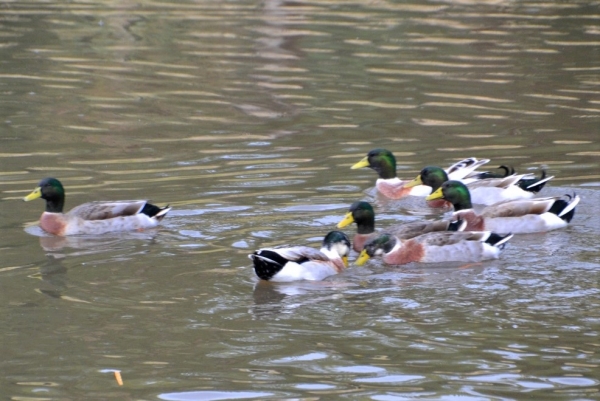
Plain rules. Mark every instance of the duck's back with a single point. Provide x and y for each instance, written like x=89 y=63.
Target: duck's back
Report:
x=107 y=210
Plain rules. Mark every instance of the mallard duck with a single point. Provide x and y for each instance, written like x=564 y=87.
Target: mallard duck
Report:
x=390 y=186
x=363 y=215
x=93 y=217
x=517 y=217
x=302 y=262
x=485 y=191
x=464 y=246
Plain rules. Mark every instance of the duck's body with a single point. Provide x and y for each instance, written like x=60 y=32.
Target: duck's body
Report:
x=493 y=190
x=92 y=218
x=102 y=217
x=390 y=186
x=363 y=215
x=484 y=191
x=436 y=247
x=517 y=217
x=301 y=262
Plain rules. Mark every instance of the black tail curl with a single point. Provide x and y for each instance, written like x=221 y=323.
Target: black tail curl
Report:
x=497 y=240
x=532 y=185
x=565 y=208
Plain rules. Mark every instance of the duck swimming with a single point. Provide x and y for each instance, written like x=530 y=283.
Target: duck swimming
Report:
x=435 y=247
x=485 y=191
x=94 y=217
x=363 y=215
x=517 y=216
x=389 y=185
x=302 y=262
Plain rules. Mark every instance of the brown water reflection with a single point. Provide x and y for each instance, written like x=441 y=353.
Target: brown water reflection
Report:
x=246 y=117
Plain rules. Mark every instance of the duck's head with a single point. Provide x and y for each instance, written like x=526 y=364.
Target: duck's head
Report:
x=377 y=247
x=362 y=214
x=454 y=192
x=431 y=176
x=380 y=160
x=338 y=243
x=52 y=191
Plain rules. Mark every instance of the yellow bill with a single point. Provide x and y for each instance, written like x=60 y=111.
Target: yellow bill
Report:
x=37 y=193
x=414 y=183
x=438 y=194
x=346 y=221
x=363 y=163
x=345 y=260
x=362 y=258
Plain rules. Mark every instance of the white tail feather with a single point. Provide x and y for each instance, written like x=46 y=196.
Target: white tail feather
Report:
x=540 y=181
x=570 y=206
x=464 y=167
x=503 y=240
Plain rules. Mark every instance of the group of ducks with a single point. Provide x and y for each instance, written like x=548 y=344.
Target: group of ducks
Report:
x=467 y=236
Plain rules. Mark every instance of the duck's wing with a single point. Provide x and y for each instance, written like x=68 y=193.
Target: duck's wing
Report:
x=508 y=170
x=464 y=167
x=503 y=182
x=446 y=238
x=518 y=208
x=107 y=210
x=298 y=254
x=416 y=228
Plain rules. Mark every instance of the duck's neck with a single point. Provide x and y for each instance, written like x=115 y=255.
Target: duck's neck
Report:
x=365 y=226
x=462 y=204
x=55 y=205
x=437 y=181
x=386 y=169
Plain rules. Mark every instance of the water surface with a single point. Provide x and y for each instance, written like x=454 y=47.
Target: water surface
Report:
x=245 y=117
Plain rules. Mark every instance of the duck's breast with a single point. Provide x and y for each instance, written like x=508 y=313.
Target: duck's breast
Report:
x=53 y=223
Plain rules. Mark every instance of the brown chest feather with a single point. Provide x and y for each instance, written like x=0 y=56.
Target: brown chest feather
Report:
x=53 y=223
x=410 y=251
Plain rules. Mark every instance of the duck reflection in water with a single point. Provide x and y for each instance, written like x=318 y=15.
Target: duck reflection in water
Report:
x=53 y=275
x=86 y=245
x=272 y=299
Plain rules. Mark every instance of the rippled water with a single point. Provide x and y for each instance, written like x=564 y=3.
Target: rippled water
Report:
x=245 y=117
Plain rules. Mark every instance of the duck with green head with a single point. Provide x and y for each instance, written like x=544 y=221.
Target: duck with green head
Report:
x=485 y=191
x=389 y=185
x=292 y=263
x=93 y=217
x=436 y=247
x=363 y=215
x=517 y=216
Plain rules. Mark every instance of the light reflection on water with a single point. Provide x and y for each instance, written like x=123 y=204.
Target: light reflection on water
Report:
x=246 y=118
x=213 y=395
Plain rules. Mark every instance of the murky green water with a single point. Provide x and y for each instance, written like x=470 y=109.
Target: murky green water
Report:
x=245 y=117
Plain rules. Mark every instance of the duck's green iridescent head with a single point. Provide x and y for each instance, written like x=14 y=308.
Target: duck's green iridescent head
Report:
x=363 y=215
x=454 y=192
x=377 y=247
x=52 y=191
x=433 y=177
x=339 y=242
x=380 y=160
